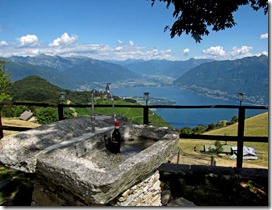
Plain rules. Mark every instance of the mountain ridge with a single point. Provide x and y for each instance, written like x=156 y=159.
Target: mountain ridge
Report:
x=164 y=67
x=218 y=79
x=67 y=72
x=225 y=79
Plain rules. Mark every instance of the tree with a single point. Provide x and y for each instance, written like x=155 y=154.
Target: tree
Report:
x=234 y=119
x=194 y=16
x=211 y=126
x=5 y=82
x=219 y=146
x=46 y=115
x=186 y=130
x=199 y=129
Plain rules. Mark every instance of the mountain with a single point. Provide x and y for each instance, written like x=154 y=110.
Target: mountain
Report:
x=163 y=67
x=70 y=72
x=100 y=71
x=55 y=62
x=20 y=70
x=36 y=89
x=225 y=79
x=220 y=79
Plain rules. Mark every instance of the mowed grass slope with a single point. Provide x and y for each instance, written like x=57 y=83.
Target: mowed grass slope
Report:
x=254 y=126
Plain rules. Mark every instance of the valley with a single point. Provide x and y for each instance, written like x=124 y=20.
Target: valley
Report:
x=210 y=78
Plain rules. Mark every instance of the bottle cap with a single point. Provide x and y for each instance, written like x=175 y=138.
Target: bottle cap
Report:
x=116 y=123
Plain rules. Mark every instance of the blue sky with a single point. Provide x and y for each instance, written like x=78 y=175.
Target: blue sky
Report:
x=120 y=30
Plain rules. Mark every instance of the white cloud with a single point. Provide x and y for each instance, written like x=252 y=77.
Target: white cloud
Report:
x=265 y=53
x=118 y=48
x=264 y=36
x=241 y=52
x=27 y=40
x=158 y=54
x=3 y=43
x=215 y=51
x=186 y=51
x=131 y=43
x=65 y=39
x=219 y=53
x=123 y=51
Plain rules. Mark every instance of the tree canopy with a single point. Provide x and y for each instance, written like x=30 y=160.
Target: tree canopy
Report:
x=5 y=82
x=195 y=16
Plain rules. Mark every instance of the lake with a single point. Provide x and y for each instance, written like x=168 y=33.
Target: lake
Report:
x=179 y=118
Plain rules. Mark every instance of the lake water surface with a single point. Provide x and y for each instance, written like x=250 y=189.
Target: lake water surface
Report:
x=186 y=117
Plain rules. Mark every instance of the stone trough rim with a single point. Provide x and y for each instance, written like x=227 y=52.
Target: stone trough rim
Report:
x=131 y=167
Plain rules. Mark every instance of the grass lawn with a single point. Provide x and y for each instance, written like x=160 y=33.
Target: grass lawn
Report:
x=254 y=126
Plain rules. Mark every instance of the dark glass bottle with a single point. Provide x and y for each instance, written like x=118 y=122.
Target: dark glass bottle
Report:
x=116 y=138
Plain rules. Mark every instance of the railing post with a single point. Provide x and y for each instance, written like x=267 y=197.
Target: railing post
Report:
x=145 y=115
x=1 y=130
x=60 y=112
x=213 y=161
x=178 y=155
x=240 y=142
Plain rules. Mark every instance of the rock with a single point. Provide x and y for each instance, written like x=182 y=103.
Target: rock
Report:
x=20 y=151
x=165 y=197
x=67 y=155
x=96 y=178
x=180 y=202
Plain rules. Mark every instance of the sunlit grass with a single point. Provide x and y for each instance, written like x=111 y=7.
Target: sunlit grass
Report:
x=254 y=126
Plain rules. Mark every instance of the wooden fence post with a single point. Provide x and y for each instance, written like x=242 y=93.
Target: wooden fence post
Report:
x=60 y=111
x=240 y=142
x=145 y=114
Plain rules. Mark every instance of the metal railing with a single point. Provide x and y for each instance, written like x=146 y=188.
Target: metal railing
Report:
x=240 y=138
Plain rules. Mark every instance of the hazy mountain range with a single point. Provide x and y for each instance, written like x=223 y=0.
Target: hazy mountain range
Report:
x=225 y=79
x=163 y=67
x=221 y=79
x=69 y=73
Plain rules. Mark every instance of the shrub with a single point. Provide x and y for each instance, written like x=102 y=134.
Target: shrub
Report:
x=46 y=115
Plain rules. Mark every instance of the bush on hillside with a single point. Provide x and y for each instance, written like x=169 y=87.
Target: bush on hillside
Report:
x=47 y=115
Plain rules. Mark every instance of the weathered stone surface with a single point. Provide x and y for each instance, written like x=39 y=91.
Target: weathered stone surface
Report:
x=20 y=151
x=181 y=202
x=165 y=197
x=68 y=157
x=145 y=193
x=97 y=179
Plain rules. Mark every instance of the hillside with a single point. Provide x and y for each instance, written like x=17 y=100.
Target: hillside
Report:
x=225 y=79
x=56 y=62
x=21 y=70
x=69 y=73
x=99 y=71
x=35 y=89
x=217 y=79
x=254 y=126
x=163 y=67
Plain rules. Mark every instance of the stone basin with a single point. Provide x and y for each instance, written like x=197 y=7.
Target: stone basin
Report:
x=68 y=157
x=96 y=175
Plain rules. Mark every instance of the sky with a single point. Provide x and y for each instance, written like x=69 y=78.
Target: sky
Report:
x=120 y=30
